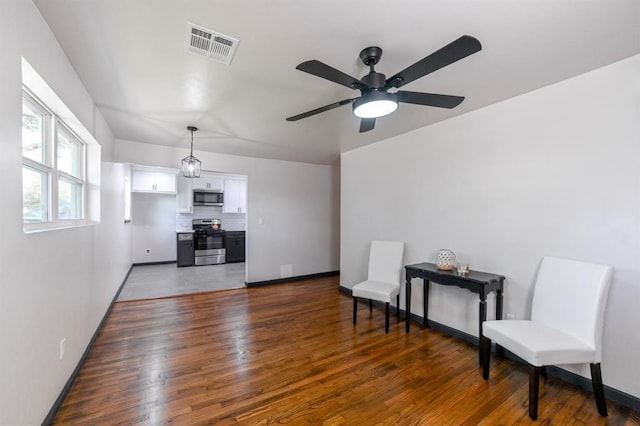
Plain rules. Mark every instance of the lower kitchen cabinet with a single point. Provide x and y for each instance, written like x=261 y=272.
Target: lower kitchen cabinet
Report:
x=186 y=250
x=235 y=246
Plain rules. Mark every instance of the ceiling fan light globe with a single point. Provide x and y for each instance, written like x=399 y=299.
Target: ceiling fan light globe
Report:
x=374 y=105
x=375 y=109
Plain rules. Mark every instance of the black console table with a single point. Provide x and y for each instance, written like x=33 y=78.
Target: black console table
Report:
x=481 y=283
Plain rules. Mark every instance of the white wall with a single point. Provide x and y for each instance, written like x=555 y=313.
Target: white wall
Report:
x=552 y=172
x=154 y=227
x=55 y=284
x=297 y=202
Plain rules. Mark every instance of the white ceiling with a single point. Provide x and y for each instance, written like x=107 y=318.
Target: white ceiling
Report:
x=130 y=56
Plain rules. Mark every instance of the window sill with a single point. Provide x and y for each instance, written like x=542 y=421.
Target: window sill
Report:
x=33 y=228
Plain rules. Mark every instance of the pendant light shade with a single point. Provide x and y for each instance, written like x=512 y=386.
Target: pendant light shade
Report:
x=190 y=164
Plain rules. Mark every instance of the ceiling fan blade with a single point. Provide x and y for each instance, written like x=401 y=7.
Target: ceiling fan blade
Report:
x=367 y=124
x=321 y=109
x=452 y=52
x=322 y=70
x=429 y=99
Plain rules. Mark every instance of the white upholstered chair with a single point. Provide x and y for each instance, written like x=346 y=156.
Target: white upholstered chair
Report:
x=383 y=279
x=567 y=317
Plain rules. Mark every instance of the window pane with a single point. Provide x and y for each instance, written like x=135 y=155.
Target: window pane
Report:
x=69 y=154
x=69 y=200
x=33 y=132
x=34 y=195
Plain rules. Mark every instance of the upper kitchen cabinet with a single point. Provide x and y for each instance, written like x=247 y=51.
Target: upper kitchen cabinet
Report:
x=235 y=196
x=153 y=180
x=207 y=181
x=184 y=198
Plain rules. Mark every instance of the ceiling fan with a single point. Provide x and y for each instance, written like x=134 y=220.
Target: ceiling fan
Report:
x=375 y=99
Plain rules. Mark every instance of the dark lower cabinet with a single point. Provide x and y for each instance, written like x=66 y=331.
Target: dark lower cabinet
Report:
x=235 y=245
x=186 y=250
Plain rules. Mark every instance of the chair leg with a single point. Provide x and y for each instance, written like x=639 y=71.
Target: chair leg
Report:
x=386 y=317
x=598 y=389
x=398 y=306
x=534 y=390
x=370 y=306
x=486 y=356
x=355 y=309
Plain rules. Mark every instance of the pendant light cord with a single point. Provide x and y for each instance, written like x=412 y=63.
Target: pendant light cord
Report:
x=192 y=142
x=192 y=129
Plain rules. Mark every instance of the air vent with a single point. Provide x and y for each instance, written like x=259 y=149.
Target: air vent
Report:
x=206 y=42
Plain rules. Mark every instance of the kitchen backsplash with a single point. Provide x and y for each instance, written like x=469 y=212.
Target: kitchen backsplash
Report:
x=230 y=221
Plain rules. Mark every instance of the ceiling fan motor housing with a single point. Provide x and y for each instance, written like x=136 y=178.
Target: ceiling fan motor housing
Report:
x=374 y=80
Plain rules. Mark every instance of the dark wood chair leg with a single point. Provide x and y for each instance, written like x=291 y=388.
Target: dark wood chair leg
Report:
x=534 y=390
x=486 y=356
x=386 y=317
x=355 y=309
x=598 y=389
x=398 y=306
x=370 y=306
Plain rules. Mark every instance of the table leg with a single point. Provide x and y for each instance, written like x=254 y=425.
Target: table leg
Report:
x=407 y=308
x=482 y=318
x=425 y=303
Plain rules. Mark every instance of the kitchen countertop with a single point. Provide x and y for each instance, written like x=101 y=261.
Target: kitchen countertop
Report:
x=188 y=231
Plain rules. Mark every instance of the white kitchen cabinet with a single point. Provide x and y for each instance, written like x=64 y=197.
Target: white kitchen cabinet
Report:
x=209 y=182
x=235 y=196
x=184 y=197
x=153 y=181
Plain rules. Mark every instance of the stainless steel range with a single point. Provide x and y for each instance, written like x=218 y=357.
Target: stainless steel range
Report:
x=208 y=240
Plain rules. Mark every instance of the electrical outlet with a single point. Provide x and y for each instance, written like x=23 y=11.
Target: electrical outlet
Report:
x=63 y=343
x=511 y=316
x=286 y=271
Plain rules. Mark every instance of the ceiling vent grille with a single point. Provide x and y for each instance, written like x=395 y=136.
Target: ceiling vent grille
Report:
x=206 y=42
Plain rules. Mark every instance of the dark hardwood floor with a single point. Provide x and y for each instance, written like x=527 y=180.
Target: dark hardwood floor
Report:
x=289 y=353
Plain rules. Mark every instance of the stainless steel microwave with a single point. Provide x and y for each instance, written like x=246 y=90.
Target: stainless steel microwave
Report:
x=202 y=197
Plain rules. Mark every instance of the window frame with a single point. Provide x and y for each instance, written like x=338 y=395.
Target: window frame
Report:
x=54 y=124
x=40 y=107
x=69 y=178
x=46 y=192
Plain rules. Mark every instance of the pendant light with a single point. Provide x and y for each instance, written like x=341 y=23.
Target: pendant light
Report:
x=190 y=164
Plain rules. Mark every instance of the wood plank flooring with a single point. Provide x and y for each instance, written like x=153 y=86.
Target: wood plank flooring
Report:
x=289 y=353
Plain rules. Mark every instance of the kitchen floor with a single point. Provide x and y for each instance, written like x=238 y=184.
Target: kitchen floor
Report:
x=163 y=280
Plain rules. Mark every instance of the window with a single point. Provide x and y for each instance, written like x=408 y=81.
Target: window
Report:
x=53 y=168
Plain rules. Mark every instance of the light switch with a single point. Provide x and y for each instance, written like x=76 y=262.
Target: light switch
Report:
x=63 y=344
